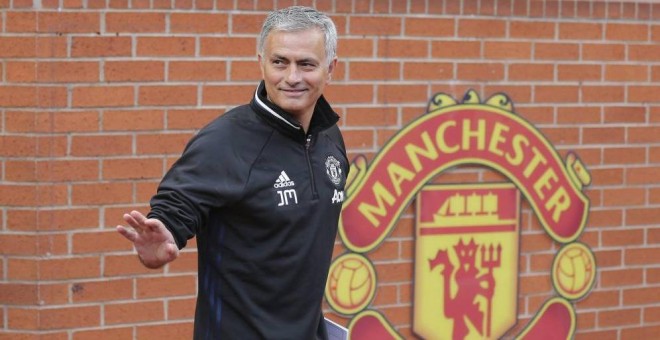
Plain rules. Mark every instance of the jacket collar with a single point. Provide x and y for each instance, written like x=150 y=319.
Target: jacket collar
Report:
x=322 y=118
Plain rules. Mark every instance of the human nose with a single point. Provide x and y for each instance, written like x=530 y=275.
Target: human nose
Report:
x=294 y=75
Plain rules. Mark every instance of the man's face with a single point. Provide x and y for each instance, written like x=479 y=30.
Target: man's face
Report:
x=295 y=71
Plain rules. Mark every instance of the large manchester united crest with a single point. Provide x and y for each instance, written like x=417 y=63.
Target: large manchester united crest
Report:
x=467 y=235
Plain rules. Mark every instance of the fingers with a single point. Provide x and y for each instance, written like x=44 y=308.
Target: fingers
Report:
x=129 y=234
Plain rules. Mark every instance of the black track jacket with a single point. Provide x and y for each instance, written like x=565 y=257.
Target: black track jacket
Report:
x=263 y=199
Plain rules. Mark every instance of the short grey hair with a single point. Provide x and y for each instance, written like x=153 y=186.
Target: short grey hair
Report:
x=299 y=18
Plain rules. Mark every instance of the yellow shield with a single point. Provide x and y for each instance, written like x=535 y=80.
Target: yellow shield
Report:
x=466 y=261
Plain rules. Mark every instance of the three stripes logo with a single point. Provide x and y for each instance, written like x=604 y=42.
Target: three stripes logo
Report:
x=283 y=181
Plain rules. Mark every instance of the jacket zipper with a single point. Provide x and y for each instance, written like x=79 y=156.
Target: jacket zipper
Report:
x=308 y=143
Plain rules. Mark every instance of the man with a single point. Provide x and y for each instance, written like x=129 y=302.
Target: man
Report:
x=261 y=188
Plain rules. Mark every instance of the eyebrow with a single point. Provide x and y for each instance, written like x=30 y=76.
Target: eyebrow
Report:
x=303 y=60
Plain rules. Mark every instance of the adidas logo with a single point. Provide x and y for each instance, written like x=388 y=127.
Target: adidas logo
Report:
x=283 y=181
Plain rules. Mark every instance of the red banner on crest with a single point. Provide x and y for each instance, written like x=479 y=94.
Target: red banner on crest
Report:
x=460 y=135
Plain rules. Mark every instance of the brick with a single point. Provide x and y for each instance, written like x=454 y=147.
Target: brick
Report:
x=135 y=22
x=623 y=237
x=621 y=278
x=580 y=31
x=33 y=96
x=133 y=120
x=355 y=47
x=393 y=272
x=507 y=50
x=625 y=114
x=200 y=70
x=556 y=51
x=190 y=119
x=626 y=73
x=621 y=317
x=166 y=286
x=480 y=71
x=382 y=116
x=619 y=197
x=603 y=94
x=69 y=22
x=133 y=312
x=556 y=94
x=428 y=71
x=123 y=265
x=644 y=332
x=104 y=334
x=247 y=23
x=375 y=71
x=637 y=216
x=103 y=96
x=578 y=72
x=524 y=71
x=125 y=168
x=641 y=256
x=578 y=115
x=624 y=155
x=101 y=145
x=607 y=176
x=534 y=284
x=167 y=95
x=227 y=94
x=170 y=331
x=166 y=46
x=99 y=242
x=20 y=171
x=67 y=72
x=185 y=263
x=144 y=190
x=23 y=318
x=641 y=296
x=106 y=290
x=215 y=23
x=11 y=145
x=32 y=195
x=21 y=22
x=134 y=71
x=429 y=27
x=170 y=143
x=375 y=25
x=179 y=309
x=30 y=47
x=456 y=49
x=244 y=71
x=101 y=193
x=626 y=32
x=644 y=135
x=228 y=46
x=69 y=317
x=604 y=52
x=69 y=268
x=52 y=219
x=402 y=93
x=643 y=93
x=535 y=243
x=403 y=48
x=101 y=47
x=652 y=275
x=600 y=299
x=19 y=293
x=644 y=52
x=480 y=28
x=608 y=258
x=643 y=175
x=67 y=170
x=531 y=29
x=51 y=121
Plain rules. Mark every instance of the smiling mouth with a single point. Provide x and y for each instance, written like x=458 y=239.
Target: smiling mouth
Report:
x=293 y=92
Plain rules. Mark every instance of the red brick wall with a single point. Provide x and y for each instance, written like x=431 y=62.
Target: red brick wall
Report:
x=98 y=98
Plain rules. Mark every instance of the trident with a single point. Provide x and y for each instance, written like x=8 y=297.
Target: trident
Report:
x=491 y=261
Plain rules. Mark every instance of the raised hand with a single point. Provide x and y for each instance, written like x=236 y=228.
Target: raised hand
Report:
x=153 y=242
